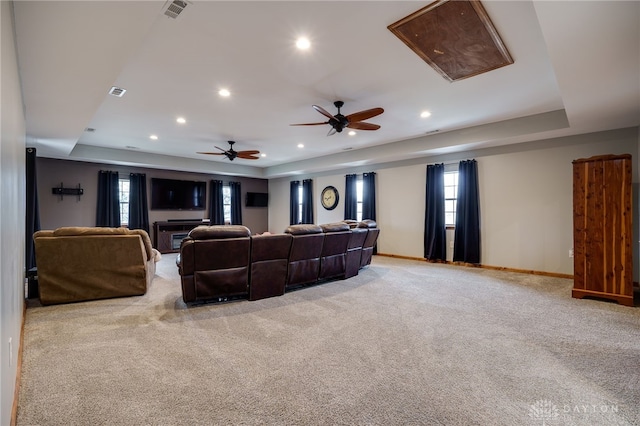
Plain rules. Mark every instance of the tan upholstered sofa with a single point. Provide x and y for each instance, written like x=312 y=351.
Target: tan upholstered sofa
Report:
x=86 y=263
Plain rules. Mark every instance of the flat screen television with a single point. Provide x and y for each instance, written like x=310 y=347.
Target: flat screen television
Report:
x=173 y=194
x=257 y=199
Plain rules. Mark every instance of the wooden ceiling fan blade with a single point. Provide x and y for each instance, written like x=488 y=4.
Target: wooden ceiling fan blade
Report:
x=364 y=115
x=247 y=156
x=309 y=124
x=249 y=152
x=323 y=112
x=363 y=126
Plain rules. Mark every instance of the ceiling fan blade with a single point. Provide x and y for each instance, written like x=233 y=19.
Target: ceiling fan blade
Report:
x=323 y=112
x=247 y=156
x=363 y=126
x=332 y=131
x=249 y=152
x=211 y=153
x=309 y=124
x=364 y=115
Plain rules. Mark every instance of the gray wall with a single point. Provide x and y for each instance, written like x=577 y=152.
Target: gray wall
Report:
x=526 y=200
x=12 y=212
x=73 y=211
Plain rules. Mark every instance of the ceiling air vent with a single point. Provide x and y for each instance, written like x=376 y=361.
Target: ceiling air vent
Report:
x=175 y=8
x=117 y=91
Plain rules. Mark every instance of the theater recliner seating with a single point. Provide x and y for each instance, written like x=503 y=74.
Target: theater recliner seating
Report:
x=269 y=265
x=354 y=251
x=223 y=261
x=214 y=262
x=334 y=249
x=304 y=258
x=369 y=242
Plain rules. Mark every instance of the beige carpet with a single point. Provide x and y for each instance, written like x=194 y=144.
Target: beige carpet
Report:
x=402 y=343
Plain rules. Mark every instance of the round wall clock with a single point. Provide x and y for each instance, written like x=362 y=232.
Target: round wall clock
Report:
x=329 y=198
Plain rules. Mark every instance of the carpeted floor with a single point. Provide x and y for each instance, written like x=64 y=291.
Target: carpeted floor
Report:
x=403 y=343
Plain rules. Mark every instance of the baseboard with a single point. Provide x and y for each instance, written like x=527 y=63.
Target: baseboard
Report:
x=16 y=393
x=474 y=265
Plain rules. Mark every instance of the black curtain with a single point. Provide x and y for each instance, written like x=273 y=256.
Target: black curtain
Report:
x=307 y=201
x=350 y=197
x=434 y=228
x=294 y=202
x=369 y=196
x=108 y=210
x=138 y=206
x=216 y=203
x=33 y=211
x=236 y=203
x=369 y=199
x=466 y=246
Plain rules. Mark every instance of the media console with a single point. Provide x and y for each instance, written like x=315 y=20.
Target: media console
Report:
x=168 y=235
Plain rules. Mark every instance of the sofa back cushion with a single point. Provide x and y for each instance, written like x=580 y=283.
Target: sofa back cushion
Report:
x=369 y=244
x=211 y=268
x=218 y=232
x=334 y=248
x=269 y=265
x=304 y=259
x=83 y=231
x=354 y=251
x=303 y=229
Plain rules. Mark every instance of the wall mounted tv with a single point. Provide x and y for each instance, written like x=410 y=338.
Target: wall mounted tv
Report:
x=257 y=199
x=172 y=194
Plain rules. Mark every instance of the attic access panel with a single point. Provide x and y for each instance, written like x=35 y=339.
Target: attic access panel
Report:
x=456 y=38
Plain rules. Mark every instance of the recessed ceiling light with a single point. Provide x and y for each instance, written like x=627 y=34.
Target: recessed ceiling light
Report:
x=425 y=114
x=181 y=120
x=225 y=93
x=351 y=133
x=153 y=137
x=303 y=43
x=300 y=145
x=263 y=155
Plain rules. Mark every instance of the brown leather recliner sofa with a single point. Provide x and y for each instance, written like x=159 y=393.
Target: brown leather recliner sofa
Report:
x=78 y=264
x=223 y=261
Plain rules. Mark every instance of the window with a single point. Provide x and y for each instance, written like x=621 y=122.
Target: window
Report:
x=450 y=197
x=300 y=194
x=123 y=194
x=359 y=199
x=226 y=203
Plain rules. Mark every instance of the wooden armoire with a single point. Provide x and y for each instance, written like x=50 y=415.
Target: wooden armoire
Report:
x=602 y=228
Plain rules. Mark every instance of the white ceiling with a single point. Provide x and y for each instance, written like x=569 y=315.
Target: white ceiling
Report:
x=576 y=70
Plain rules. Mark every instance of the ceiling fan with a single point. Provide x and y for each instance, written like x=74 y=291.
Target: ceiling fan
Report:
x=232 y=154
x=353 y=121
